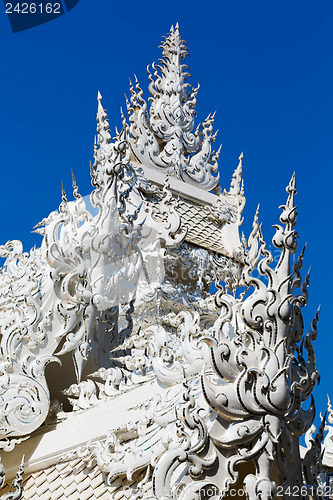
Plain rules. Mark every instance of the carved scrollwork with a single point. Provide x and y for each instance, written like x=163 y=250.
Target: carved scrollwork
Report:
x=256 y=376
x=163 y=136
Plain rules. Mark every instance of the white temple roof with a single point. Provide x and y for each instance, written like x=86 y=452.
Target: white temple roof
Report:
x=155 y=384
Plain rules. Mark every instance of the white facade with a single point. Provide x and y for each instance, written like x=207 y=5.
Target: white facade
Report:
x=157 y=388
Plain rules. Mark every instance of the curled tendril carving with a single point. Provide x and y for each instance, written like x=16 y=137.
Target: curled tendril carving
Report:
x=259 y=371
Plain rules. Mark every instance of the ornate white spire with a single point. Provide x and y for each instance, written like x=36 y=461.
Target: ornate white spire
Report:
x=103 y=137
x=163 y=136
x=265 y=370
x=102 y=146
x=236 y=181
x=111 y=156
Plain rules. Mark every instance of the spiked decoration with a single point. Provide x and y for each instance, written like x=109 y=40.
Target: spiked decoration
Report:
x=261 y=381
x=76 y=193
x=163 y=137
x=236 y=181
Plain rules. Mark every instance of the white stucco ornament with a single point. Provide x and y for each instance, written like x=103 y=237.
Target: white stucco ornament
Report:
x=163 y=136
x=179 y=390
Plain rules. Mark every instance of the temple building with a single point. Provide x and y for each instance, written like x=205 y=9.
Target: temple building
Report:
x=148 y=350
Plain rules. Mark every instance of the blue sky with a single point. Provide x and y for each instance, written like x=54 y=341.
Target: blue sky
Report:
x=265 y=66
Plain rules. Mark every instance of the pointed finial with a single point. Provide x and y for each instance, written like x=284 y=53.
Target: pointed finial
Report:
x=309 y=272
x=76 y=194
x=101 y=114
x=289 y=213
x=167 y=80
x=64 y=197
x=123 y=119
x=103 y=135
x=257 y=212
x=291 y=188
x=236 y=181
x=253 y=242
x=39 y=224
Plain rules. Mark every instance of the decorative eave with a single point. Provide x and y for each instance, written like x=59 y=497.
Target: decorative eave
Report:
x=54 y=443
